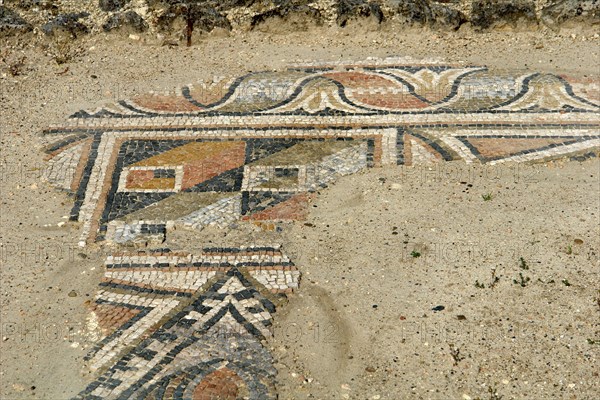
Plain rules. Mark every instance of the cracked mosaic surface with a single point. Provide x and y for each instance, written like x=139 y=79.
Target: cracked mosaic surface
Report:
x=255 y=148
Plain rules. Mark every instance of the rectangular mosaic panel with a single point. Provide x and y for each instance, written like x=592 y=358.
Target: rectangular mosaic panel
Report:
x=167 y=151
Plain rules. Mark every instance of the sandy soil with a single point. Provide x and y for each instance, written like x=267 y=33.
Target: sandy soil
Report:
x=331 y=341
x=365 y=326
x=384 y=248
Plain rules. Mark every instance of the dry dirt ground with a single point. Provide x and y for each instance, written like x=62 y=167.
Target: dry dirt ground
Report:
x=382 y=249
x=362 y=324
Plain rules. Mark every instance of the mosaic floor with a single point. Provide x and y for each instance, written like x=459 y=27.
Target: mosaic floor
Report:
x=190 y=326
x=257 y=148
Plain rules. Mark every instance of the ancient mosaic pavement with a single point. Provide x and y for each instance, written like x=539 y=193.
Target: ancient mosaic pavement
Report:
x=256 y=148
x=188 y=326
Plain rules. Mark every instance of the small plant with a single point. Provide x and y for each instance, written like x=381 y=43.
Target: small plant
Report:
x=415 y=254
x=495 y=279
x=63 y=51
x=523 y=280
x=493 y=392
x=455 y=353
x=569 y=250
x=487 y=197
x=493 y=283
x=566 y=282
x=592 y=341
x=14 y=64
x=523 y=263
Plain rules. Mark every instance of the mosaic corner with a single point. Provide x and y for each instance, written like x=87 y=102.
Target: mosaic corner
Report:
x=181 y=325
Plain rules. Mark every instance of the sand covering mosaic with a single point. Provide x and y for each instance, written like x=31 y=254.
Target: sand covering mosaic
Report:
x=257 y=148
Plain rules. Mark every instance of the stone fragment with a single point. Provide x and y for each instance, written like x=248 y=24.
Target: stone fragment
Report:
x=11 y=22
x=193 y=16
x=562 y=11
x=293 y=16
x=350 y=9
x=488 y=14
x=129 y=20
x=446 y=17
x=39 y=4
x=67 y=23
x=112 y=5
x=423 y=12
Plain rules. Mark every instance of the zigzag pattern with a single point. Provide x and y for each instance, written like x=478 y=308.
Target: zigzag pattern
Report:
x=195 y=317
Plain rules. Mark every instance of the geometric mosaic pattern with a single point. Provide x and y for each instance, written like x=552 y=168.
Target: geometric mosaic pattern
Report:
x=256 y=148
x=185 y=326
